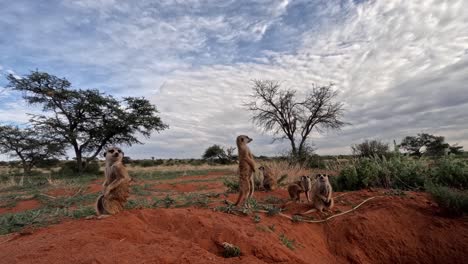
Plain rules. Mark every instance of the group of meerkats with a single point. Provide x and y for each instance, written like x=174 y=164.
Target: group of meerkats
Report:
x=318 y=191
x=116 y=186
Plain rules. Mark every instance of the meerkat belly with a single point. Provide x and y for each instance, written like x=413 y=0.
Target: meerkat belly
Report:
x=245 y=170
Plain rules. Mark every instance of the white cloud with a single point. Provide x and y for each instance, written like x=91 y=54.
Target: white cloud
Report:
x=399 y=65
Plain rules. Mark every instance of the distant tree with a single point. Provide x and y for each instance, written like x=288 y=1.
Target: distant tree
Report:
x=370 y=148
x=281 y=112
x=31 y=146
x=434 y=145
x=88 y=120
x=216 y=153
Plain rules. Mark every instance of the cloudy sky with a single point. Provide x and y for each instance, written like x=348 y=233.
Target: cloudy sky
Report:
x=400 y=67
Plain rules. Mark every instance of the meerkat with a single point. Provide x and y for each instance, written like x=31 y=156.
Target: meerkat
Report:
x=246 y=169
x=302 y=186
x=269 y=182
x=321 y=194
x=115 y=186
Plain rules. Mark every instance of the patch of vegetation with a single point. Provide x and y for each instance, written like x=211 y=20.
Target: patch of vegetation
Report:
x=196 y=200
x=66 y=202
x=273 y=200
x=449 y=171
x=139 y=204
x=272 y=210
x=452 y=201
x=398 y=172
x=139 y=190
x=231 y=184
x=82 y=212
x=167 y=201
x=289 y=243
x=256 y=218
x=231 y=250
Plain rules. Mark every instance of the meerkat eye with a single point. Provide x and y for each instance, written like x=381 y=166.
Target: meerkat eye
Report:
x=111 y=151
x=119 y=151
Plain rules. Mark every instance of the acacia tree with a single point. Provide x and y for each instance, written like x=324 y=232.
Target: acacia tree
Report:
x=216 y=152
x=435 y=145
x=31 y=146
x=281 y=112
x=86 y=119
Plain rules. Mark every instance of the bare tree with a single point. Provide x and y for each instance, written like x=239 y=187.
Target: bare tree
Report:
x=281 y=112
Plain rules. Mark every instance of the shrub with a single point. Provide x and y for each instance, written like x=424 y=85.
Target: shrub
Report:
x=70 y=168
x=370 y=149
x=453 y=202
x=232 y=184
x=397 y=172
x=452 y=172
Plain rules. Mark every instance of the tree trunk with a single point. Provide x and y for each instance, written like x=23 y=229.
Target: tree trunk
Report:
x=79 y=159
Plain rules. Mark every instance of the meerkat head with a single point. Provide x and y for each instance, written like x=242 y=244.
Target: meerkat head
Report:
x=305 y=182
x=243 y=139
x=321 y=177
x=113 y=154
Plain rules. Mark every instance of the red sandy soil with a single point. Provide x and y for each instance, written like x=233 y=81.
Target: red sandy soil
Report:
x=388 y=229
x=21 y=206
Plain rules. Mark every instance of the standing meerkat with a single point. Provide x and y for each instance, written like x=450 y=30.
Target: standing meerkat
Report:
x=246 y=168
x=269 y=182
x=302 y=186
x=321 y=194
x=116 y=184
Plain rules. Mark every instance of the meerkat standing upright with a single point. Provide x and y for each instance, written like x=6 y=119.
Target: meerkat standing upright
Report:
x=116 y=184
x=321 y=194
x=246 y=168
x=269 y=182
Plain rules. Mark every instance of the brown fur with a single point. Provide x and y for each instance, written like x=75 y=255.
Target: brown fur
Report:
x=269 y=182
x=302 y=186
x=321 y=194
x=116 y=184
x=246 y=168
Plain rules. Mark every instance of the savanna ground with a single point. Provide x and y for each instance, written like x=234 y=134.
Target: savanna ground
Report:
x=181 y=214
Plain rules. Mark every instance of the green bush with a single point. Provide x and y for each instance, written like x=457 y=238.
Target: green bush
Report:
x=397 y=172
x=70 y=168
x=453 y=202
x=232 y=184
x=452 y=172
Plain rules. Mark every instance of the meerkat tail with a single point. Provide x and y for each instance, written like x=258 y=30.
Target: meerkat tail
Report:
x=99 y=205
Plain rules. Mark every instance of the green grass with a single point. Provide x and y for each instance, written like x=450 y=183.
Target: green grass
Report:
x=289 y=243
x=453 y=202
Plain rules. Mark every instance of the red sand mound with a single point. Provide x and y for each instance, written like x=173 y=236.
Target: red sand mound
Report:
x=386 y=230
x=21 y=206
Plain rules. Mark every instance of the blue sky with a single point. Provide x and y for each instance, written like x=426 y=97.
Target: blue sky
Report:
x=400 y=67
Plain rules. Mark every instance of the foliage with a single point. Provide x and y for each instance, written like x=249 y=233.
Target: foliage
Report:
x=31 y=146
x=453 y=202
x=435 y=145
x=397 y=171
x=289 y=243
x=281 y=112
x=217 y=154
x=231 y=184
x=88 y=120
x=70 y=168
x=370 y=148
x=452 y=172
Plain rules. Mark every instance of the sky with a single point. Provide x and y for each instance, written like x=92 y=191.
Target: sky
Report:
x=400 y=67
